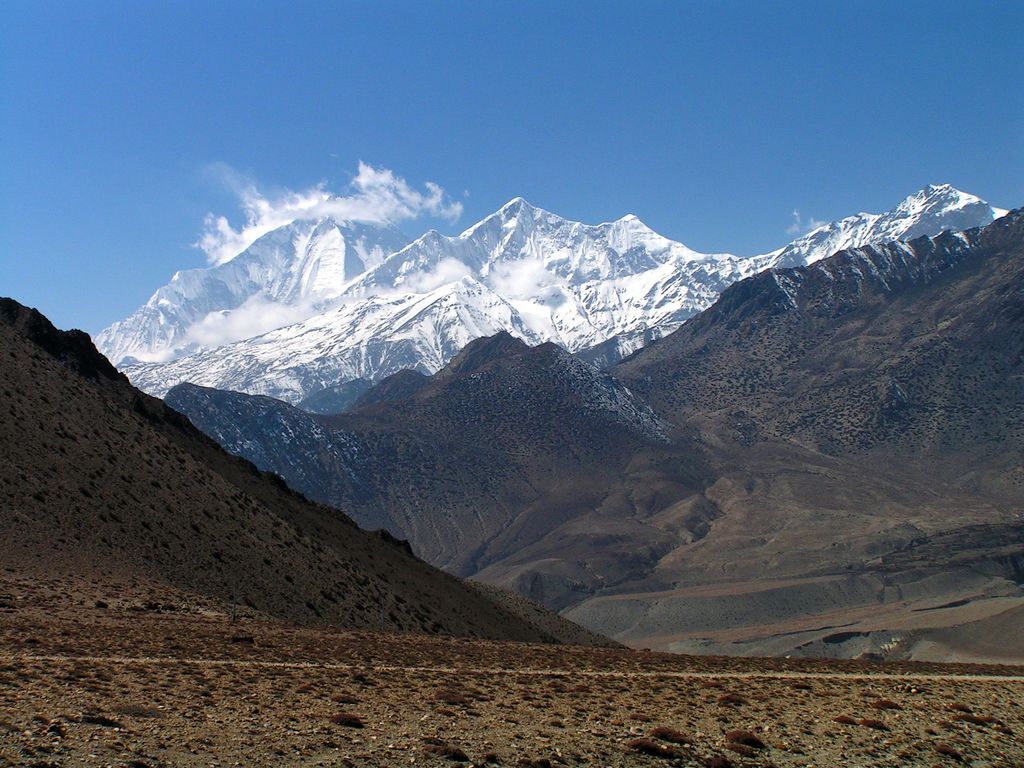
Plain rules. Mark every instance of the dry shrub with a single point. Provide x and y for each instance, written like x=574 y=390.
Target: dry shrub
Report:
x=964 y=717
x=878 y=725
x=645 y=746
x=744 y=737
x=670 y=734
x=447 y=751
x=844 y=720
x=342 y=698
x=957 y=706
x=451 y=696
x=92 y=719
x=347 y=719
x=719 y=761
x=733 y=699
x=362 y=679
x=948 y=751
x=885 y=704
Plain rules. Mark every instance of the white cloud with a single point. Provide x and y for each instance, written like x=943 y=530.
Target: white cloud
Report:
x=522 y=279
x=256 y=316
x=375 y=195
x=446 y=271
x=801 y=226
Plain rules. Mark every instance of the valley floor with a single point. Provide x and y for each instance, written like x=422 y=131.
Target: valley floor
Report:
x=135 y=675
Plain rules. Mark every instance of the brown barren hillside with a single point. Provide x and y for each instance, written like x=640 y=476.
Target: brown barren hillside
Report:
x=908 y=350
x=100 y=482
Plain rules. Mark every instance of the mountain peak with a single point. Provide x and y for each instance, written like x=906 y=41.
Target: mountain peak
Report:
x=939 y=194
x=633 y=222
x=480 y=352
x=515 y=206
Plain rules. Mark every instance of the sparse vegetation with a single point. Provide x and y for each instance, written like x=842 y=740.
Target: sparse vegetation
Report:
x=965 y=717
x=447 y=751
x=948 y=751
x=885 y=704
x=670 y=734
x=731 y=699
x=646 y=746
x=347 y=719
x=101 y=720
x=740 y=749
x=744 y=737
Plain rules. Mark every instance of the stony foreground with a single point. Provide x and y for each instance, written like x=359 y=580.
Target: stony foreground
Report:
x=129 y=677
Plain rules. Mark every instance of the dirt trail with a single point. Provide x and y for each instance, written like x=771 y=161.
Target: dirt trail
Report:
x=501 y=671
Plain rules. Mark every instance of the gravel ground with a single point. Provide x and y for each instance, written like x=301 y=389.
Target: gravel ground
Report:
x=143 y=676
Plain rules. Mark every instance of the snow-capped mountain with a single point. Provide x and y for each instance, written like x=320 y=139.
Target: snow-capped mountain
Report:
x=285 y=276
x=936 y=208
x=525 y=271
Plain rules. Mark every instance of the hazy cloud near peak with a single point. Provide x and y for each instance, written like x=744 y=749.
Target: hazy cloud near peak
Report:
x=375 y=195
x=256 y=316
x=801 y=225
x=444 y=272
x=522 y=278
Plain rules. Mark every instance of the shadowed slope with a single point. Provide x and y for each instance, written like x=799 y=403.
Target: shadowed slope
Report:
x=102 y=481
x=450 y=461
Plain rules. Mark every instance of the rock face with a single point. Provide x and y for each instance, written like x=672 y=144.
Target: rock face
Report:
x=817 y=441
x=100 y=481
x=294 y=314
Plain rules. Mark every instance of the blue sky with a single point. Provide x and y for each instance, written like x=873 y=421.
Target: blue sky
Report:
x=124 y=124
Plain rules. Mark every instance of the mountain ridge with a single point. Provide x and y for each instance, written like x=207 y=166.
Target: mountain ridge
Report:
x=522 y=270
x=826 y=427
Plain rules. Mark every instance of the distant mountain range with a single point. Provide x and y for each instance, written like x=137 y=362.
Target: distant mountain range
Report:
x=825 y=461
x=312 y=306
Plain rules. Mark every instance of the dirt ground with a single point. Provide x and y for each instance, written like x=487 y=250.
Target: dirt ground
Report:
x=93 y=675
